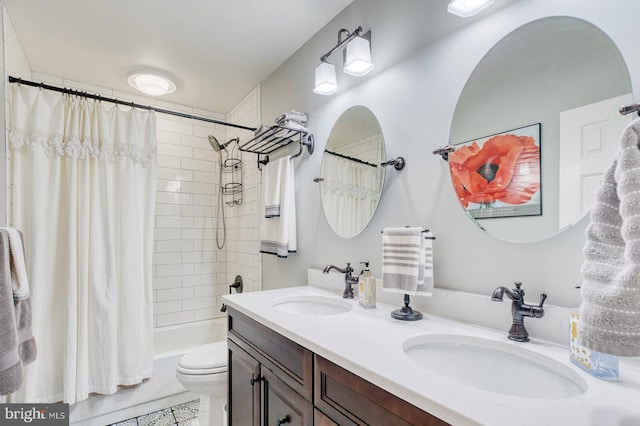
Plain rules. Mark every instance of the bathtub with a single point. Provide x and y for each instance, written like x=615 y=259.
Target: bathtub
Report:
x=163 y=389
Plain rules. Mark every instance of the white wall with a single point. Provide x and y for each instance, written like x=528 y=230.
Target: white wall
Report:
x=413 y=94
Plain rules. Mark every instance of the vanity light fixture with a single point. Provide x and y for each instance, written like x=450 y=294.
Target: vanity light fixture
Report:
x=358 y=57
x=151 y=83
x=357 y=61
x=467 y=8
x=326 y=81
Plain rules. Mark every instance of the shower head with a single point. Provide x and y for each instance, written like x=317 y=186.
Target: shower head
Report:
x=217 y=146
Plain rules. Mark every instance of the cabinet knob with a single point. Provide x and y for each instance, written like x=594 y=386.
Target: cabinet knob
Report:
x=253 y=381
x=286 y=419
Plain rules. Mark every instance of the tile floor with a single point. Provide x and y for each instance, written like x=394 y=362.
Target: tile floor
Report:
x=181 y=415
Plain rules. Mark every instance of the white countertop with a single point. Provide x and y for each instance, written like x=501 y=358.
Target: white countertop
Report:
x=369 y=343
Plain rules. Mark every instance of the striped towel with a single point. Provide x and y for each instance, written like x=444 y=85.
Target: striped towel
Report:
x=407 y=261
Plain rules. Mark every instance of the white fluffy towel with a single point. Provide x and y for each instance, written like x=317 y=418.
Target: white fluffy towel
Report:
x=610 y=309
x=407 y=261
x=271 y=188
x=19 y=279
x=278 y=234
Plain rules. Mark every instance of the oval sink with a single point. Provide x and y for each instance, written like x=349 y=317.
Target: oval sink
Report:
x=311 y=305
x=494 y=366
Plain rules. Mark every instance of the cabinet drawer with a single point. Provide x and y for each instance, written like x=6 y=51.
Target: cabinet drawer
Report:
x=348 y=399
x=274 y=351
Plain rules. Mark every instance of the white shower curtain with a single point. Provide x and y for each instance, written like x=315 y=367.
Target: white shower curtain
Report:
x=83 y=194
x=350 y=192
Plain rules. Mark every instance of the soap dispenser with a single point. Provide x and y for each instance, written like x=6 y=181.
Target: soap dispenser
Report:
x=367 y=288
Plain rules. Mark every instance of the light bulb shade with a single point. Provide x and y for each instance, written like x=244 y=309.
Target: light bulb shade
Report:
x=151 y=84
x=326 y=81
x=466 y=8
x=358 y=57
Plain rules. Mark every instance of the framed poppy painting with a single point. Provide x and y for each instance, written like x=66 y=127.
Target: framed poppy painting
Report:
x=499 y=175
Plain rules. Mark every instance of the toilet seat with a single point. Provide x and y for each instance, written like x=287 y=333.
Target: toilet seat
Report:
x=210 y=359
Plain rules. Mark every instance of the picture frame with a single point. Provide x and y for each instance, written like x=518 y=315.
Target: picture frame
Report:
x=498 y=176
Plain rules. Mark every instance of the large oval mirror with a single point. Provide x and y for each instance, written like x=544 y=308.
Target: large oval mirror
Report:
x=535 y=127
x=352 y=177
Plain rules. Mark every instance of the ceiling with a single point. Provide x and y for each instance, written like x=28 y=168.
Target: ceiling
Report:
x=216 y=50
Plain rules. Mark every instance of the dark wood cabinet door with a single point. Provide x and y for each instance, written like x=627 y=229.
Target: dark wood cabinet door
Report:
x=282 y=405
x=319 y=419
x=244 y=388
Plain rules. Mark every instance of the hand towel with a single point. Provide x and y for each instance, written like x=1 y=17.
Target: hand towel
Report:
x=294 y=125
x=11 y=372
x=278 y=234
x=610 y=310
x=293 y=115
x=271 y=184
x=406 y=266
x=425 y=286
x=19 y=279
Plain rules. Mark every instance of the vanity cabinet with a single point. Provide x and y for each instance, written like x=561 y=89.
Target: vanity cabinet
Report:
x=270 y=377
x=275 y=381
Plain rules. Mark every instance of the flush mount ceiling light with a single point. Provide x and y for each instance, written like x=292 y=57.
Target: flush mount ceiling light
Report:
x=467 y=8
x=357 y=61
x=151 y=84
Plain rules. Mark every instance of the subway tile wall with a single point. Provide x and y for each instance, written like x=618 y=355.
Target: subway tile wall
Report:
x=243 y=245
x=189 y=269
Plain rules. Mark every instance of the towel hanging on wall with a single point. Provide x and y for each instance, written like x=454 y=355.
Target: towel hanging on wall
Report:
x=278 y=233
x=610 y=309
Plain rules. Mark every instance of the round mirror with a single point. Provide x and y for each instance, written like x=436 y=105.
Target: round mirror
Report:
x=536 y=126
x=352 y=177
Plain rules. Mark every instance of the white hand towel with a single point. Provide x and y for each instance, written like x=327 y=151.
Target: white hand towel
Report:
x=278 y=234
x=19 y=279
x=425 y=286
x=610 y=310
x=271 y=184
x=292 y=115
x=402 y=256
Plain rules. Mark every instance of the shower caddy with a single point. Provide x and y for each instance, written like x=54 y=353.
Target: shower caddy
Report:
x=232 y=189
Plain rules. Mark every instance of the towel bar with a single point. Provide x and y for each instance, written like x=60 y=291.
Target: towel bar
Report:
x=271 y=139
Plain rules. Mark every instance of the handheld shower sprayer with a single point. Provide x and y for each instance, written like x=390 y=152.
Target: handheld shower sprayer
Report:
x=219 y=147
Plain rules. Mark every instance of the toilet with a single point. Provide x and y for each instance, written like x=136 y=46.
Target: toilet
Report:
x=204 y=372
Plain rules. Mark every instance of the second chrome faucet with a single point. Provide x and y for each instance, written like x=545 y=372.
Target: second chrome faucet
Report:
x=519 y=310
x=349 y=280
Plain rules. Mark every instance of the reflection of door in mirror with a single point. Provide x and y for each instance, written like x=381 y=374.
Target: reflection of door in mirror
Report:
x=536 y=74
x=594 y=130
x=352 y=177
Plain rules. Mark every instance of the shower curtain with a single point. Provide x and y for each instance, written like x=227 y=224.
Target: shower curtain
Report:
x=83 y=194
x=350 y=192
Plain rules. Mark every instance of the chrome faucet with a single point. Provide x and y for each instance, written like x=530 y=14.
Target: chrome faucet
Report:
x=349 y=280
x=519 y=310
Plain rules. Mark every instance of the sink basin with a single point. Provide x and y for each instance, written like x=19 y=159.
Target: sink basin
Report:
x=311 y=305
x=494 y=366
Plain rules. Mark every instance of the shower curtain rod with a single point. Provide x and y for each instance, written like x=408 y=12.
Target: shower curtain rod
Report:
x=346 y=157
x=120 y=102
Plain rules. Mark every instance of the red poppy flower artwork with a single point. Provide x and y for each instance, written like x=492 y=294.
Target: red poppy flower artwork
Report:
x=499 y=176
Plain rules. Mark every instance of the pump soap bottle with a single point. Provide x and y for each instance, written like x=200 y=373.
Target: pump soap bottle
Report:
x=367 y=288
